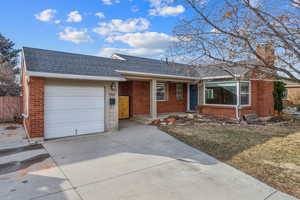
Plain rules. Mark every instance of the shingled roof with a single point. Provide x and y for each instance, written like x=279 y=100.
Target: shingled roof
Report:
x=39 y=60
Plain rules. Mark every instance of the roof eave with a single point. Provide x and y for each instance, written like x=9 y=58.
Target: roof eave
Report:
x=156 y=75
x=73 y=76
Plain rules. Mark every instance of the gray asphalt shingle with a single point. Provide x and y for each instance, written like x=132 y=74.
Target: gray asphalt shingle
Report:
x=40 y=60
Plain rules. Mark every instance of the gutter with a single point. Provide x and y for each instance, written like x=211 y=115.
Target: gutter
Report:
x=156 y=75
x=73 y=76
x=220 y=77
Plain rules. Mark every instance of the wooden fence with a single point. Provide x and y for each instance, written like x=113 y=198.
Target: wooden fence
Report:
x=10 y=107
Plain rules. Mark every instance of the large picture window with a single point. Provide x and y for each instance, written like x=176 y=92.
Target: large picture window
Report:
x=225 y=93
x=161 y=91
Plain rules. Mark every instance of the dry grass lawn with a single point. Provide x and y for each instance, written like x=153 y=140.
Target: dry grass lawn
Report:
x=269 y=153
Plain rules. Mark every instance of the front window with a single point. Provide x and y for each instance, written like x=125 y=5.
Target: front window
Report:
x=244 y=93
x=161 y=91
x=179 y=91
x=223 y=93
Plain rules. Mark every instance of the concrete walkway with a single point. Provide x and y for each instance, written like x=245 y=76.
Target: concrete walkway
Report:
x=137 y=163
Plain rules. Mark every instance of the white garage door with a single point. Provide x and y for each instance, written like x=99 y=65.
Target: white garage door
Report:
x=73 y=110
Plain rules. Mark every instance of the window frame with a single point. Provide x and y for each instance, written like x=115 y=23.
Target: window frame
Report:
x=249 y=93
x=237 y=93
x=182 y=92
x=166 y=91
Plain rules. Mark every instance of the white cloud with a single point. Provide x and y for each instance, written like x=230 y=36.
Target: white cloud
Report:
x=148 y=44
x=254 y=3
x=47 y=15
x=124 y=26
x=149 y=40
x=74 y=16
x=74 y=35
x=215 y=31
x=110 y=2
x=160 y=3
x=167 y=11
x=100 y=15
x=107 y=52
x=163 y=8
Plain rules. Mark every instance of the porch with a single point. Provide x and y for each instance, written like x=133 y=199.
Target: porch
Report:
x=150 y=98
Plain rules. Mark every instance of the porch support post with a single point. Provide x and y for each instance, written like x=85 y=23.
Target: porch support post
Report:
x=188 y=97
x=153 y=103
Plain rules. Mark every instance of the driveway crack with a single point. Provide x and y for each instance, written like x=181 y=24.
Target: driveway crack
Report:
x=270 y=195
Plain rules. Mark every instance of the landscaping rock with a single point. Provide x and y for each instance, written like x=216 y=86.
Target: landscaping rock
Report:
x=181 y=122
x=170 y=120
x=155 y=122
x=190 y=116
x=250 y=118
x=244 y=123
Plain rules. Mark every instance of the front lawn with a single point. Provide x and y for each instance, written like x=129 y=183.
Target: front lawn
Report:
x=270 y=153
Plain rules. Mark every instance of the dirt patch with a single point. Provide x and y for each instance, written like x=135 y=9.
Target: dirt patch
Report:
x=270 y=153
x=9 y=134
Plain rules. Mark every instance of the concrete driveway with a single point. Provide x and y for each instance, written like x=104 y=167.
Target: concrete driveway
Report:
x=142 y=163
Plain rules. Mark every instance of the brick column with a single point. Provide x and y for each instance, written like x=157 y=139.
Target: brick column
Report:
x=36 y=107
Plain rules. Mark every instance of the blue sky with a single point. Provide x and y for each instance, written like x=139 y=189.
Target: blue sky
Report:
x=95 y=27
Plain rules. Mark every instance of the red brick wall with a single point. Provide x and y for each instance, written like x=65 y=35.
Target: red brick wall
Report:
x=173 y=105
x=140 y=98
x=218 y=111
x=262 y=102
x=36 y=107
x=265 y=101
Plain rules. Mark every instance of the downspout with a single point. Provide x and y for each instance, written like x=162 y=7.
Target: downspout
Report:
x=237 y=107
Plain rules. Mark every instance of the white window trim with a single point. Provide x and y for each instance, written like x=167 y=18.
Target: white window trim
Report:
x=250 y=93
x=166 y=91
x=181 y=99
x=237 y=92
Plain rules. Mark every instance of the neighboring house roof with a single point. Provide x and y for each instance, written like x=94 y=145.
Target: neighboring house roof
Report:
x=47 y=61
x=291 y=84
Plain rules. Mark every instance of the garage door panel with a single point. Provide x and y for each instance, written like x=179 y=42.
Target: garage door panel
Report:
x=58 y=103
x=69 y=130
x=73 y=110
x=69 y=91
x=65 y=116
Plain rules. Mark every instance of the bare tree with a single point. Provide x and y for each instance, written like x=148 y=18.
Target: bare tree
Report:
x=232 y=31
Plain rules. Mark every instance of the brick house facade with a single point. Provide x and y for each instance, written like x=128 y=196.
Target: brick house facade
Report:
x=154 y=87
x=139 y=93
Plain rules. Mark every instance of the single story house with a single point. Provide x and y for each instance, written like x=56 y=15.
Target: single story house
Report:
x=69 y=94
